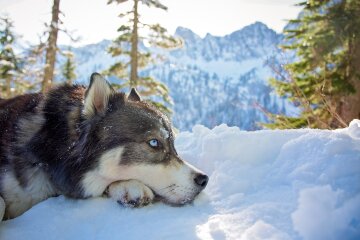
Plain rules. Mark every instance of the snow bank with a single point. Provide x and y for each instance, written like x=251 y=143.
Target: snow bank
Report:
x=282 y=184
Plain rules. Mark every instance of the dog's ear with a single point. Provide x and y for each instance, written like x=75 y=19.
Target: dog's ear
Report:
x=134 y=95
x=97 y=96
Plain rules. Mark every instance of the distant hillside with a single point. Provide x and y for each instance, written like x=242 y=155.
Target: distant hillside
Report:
x=213 y=79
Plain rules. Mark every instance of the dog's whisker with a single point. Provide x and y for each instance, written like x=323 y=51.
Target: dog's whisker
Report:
x=172 y=185
x=168 y=191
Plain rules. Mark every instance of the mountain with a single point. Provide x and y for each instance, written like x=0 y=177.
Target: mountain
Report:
x=212 y=80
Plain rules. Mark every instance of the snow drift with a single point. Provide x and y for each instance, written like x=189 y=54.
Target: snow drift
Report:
x=269 y=184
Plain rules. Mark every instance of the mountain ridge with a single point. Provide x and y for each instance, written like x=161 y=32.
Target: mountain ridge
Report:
x=212 y=80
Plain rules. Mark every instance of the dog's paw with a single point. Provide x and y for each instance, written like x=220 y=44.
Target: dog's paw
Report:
x=130 y=193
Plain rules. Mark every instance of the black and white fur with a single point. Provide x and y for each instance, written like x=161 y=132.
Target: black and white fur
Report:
x=85 y=143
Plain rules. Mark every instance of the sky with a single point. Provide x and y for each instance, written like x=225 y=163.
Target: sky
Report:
x=94 y=20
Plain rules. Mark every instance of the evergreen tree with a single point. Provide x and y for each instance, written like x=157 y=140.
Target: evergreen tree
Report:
x=68 y=69
x=324 y=79
x=9 y=62
x=134 y=58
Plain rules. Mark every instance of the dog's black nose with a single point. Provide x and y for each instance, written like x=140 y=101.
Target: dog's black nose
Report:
x=201 y=180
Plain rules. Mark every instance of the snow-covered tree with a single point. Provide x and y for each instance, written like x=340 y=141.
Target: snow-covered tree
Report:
x=9 y=62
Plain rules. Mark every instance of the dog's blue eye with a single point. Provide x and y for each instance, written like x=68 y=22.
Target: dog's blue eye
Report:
x=154 y=143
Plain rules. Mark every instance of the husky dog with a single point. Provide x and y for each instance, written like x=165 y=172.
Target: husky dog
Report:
x=85 y=143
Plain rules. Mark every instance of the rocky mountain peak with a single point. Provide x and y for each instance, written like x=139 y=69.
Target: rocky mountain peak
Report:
x=187 y=34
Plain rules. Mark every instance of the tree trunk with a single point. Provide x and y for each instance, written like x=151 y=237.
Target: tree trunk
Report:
x=351 y=105
x=134 y=48
x=51 y=48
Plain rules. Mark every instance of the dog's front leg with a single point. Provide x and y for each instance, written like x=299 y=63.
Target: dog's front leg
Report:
x=130 y=193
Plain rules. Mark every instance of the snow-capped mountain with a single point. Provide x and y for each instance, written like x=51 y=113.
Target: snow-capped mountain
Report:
x=212 y=80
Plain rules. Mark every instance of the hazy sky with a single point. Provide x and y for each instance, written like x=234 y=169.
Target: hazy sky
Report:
x=94 y=20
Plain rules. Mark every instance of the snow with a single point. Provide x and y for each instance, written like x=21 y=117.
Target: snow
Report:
x=6 y=63
x=226 y=68
x=165 y=133
x=268 y=184
x=339 y=216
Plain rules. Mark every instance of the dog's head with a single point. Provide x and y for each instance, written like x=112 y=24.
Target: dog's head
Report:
x=134 y=140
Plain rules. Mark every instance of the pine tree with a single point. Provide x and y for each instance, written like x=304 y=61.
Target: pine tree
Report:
x=9 y=62
x=51 y=47
x=68 y=69
x=134 y=58
x=324 y=79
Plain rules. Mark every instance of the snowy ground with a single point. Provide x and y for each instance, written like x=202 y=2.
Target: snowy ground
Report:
x=290 y=184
